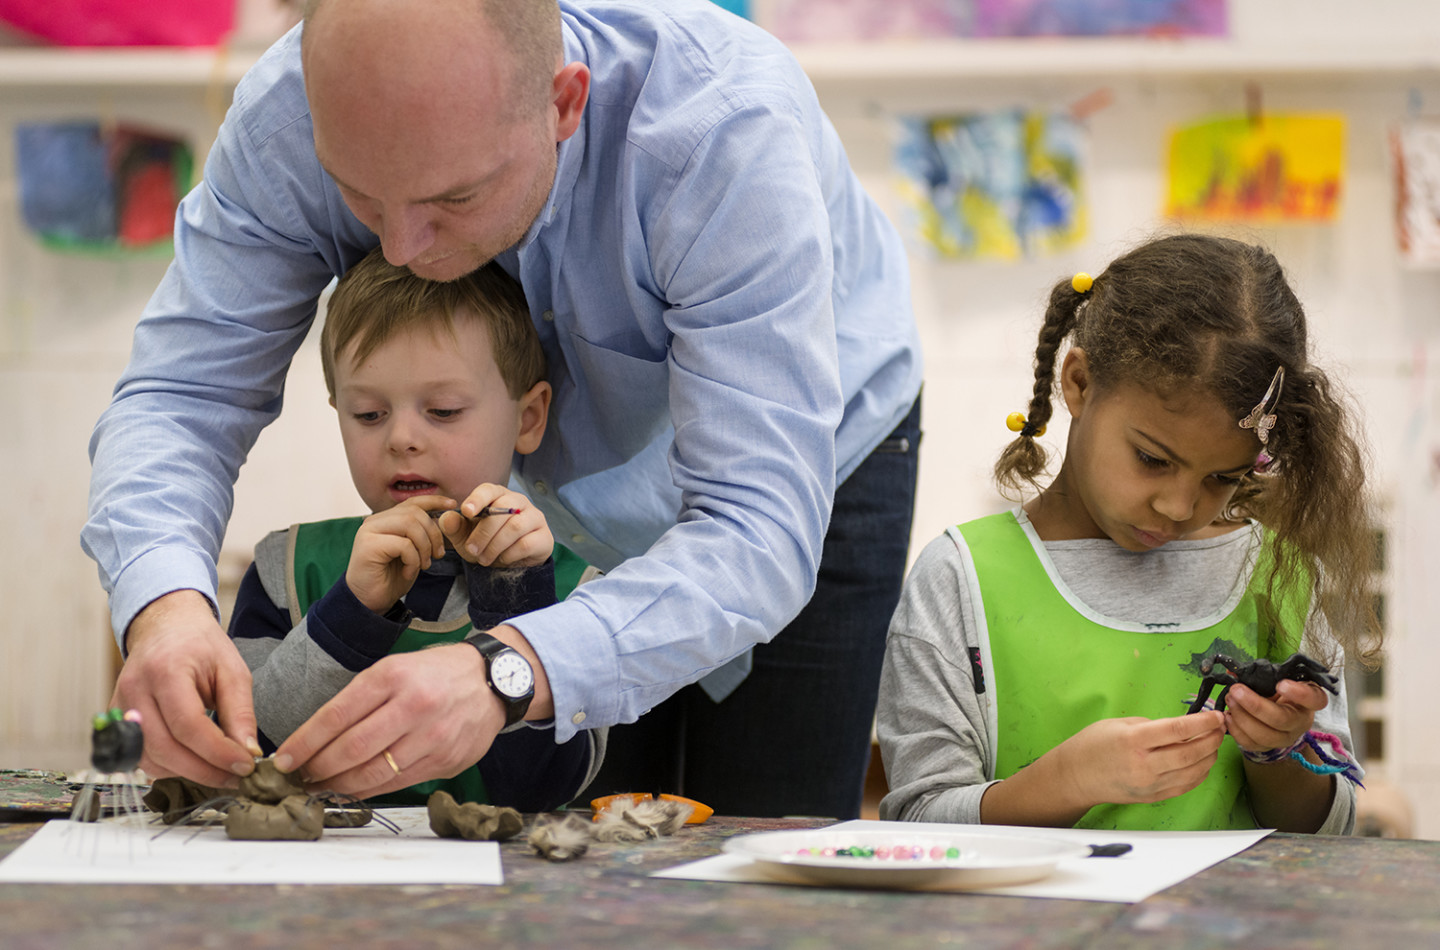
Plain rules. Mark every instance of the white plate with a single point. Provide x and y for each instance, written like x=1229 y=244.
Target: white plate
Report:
x=961 y=861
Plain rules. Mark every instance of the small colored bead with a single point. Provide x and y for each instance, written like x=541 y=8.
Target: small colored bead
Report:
x=1015 y=421
x=1082 y=282
x=827 y=852
x=882 y=852
x=952 y=853
x=936 y=853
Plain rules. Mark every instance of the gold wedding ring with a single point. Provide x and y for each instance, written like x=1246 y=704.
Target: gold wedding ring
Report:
x=390 y=760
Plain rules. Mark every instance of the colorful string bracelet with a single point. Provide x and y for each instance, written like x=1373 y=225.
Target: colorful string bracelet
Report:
x=1339 y=764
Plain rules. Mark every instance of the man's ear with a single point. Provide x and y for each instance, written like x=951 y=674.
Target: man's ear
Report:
x=571 y=92
x=534 y=412
x=1077 y=385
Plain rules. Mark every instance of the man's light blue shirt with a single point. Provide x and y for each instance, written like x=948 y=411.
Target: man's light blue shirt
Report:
x=725 y=312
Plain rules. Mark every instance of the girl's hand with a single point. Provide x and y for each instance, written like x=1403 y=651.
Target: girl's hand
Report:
x=1260 y=724
x=392 y=547
x=498 y=540
x=1124 y=761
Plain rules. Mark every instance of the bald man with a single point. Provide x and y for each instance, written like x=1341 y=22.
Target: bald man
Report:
x=733 y=437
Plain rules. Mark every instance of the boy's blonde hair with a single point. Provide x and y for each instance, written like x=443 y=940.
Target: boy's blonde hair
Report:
x=376 y=300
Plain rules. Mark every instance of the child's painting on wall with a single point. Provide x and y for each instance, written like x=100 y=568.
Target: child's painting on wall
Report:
x=90 y=186
x=1270 y=168
x=995 y=185
x=855 y=20
x=1415 y=146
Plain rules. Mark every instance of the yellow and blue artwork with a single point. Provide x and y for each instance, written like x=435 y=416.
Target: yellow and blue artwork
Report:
x=993 y=185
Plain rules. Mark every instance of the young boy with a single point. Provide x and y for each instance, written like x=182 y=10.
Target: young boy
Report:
x=435 y=385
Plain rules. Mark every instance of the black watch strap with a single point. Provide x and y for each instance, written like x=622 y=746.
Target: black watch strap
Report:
x=517 y=702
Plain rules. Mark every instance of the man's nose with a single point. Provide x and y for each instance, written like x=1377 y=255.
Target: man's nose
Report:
x=405 y=234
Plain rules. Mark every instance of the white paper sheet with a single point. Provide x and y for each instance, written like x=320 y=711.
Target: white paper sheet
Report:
x=119 y=851
x=1158 y=859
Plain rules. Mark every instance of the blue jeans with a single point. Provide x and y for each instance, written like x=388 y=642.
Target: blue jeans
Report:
x=794 y=737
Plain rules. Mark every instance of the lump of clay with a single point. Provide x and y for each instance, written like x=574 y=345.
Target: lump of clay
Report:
x=268 y=785
x=269 y=805
x=293 y=818
x=472 y=821
x=176 y=798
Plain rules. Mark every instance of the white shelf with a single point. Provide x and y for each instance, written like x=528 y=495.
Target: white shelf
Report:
x=1040 y=58
x=55 y=67
x=887 y=61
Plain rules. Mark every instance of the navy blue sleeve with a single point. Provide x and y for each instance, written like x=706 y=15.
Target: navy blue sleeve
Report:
x=524 y=768
x=353 y=634
x=497 y=594
x=255 y=615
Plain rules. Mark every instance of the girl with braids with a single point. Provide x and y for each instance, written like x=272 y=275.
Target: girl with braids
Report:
x=1210 y=500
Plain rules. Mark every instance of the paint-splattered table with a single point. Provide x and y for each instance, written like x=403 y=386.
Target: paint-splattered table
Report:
x=1286 y=891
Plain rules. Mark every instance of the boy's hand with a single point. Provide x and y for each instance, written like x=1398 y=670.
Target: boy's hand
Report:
x=1261 y=724
x=392 y=547
x=498 y=540
x=1130 y=760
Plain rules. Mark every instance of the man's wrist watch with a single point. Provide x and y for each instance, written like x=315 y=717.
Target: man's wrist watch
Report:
x=508 y=674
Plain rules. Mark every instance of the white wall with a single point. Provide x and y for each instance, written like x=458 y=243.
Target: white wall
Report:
x=65 y=322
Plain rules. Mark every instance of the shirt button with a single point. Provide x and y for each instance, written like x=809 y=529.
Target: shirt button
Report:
x=578 y=538
x=578 y=718
x=548 y=316
x=541 y=488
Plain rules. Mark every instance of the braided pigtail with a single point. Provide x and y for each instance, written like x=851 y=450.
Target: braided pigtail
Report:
x=1023 y=461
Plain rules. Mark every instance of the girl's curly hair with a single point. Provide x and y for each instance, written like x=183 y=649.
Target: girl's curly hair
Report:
x=1202 y=313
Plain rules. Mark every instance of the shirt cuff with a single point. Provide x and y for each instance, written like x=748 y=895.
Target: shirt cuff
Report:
x=154 y=574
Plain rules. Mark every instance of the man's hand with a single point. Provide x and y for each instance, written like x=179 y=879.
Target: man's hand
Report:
x=392 y=547
x=499 y=540
x=181 y=664
x=431 y=710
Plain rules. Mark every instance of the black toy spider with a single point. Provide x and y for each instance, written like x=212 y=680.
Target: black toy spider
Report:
x=1260 y=675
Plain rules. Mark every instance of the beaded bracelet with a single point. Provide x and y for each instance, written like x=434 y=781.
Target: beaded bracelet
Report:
x=898 y=852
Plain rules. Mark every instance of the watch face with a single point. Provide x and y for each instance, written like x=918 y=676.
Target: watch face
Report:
x=511 y=675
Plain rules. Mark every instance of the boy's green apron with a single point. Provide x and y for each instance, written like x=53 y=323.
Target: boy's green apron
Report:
x=1054 y=671
x=318 y=555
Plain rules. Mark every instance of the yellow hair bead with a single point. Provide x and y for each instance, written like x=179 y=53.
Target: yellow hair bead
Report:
x=1015 y=422
x=1082 y=282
